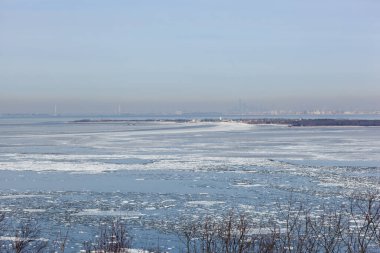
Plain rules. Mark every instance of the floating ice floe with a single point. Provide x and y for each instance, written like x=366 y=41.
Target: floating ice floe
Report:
x=14 y=238
x=33 y=210
x=205 y=203
x=119 y=213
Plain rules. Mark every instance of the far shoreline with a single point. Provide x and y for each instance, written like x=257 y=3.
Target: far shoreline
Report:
x=263 y=121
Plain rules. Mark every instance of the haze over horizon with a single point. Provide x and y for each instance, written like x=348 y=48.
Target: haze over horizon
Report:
x=192 y=56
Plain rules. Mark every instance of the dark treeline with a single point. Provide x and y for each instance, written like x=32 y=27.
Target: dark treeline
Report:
x=353 y=227
x=314 y=122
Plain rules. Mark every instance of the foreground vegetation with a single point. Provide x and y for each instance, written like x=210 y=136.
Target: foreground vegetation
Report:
x=354 y=228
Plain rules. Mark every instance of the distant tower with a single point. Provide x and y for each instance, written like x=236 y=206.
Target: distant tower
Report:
x=119 y=110
x=55 y=110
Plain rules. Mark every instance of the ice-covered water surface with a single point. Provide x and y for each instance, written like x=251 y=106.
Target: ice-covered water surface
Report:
x=101 y=147
x=151 y=173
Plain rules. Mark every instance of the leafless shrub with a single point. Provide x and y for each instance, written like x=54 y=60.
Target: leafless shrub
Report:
x=329 y=229
x=296 y=229
x=234 y=233
x=2 y=228
x=364 y=222
x=228 y=234
x=2 y=223
x=26 y=238
x=58 y=245
x=188 y=234
x=2 y=217
x=111 y=238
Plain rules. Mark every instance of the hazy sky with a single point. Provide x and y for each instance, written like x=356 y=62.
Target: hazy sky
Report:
x=189 y=55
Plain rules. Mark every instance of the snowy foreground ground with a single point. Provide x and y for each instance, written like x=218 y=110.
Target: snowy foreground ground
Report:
x=153 y=174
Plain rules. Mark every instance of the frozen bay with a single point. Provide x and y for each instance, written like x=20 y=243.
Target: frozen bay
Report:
x=153 y=173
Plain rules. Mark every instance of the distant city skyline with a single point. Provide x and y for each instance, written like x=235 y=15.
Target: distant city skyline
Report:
x=165 y=56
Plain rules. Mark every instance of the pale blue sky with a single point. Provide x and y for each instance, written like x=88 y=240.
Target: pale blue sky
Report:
x=189 y=55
